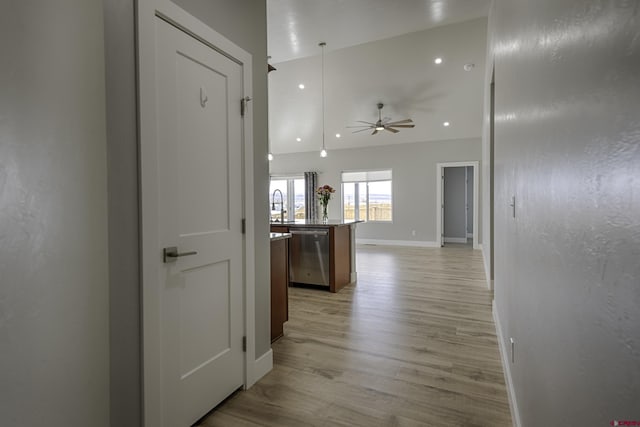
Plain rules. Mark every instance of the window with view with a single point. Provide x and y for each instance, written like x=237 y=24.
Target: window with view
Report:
x=366 y=195
x=292 y=188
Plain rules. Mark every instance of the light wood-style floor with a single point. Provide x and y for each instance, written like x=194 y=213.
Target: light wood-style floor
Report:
x=411 y=344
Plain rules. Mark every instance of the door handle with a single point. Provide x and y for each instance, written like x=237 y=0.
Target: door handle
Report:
x=170 y=254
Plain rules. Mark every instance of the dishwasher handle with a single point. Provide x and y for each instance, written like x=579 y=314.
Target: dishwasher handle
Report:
x=310 y=232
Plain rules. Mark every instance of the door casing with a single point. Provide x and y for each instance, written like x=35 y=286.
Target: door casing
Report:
x=439 y=199
x=148 y=11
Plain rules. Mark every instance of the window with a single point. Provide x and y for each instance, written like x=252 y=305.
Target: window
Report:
x=292 y=188
x=367 y=195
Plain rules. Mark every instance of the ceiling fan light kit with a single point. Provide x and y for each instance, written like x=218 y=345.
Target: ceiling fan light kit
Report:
x=383 y=124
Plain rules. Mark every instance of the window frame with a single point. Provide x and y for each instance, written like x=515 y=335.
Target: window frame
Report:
x=385 y=175
x=290 y=215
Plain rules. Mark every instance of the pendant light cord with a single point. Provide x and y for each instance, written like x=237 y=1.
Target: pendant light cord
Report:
x=322 y=44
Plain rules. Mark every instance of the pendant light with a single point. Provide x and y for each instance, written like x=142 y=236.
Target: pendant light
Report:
x=323 y=153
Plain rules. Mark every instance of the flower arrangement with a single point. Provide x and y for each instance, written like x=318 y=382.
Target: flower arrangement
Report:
x=324 y=195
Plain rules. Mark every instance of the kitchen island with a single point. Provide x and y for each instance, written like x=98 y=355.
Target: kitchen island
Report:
x=321 y=254
x=279 y=283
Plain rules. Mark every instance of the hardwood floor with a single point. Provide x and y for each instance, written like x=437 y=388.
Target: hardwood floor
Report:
x=411 y=344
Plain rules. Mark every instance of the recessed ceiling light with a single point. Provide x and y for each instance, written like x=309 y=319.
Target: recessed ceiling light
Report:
x=301 y=86
x=438 y=61
x=337 y=135
x=298 y=139
x=446 y=124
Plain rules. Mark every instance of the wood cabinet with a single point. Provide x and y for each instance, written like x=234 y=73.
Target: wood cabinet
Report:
x=279 y=286
x=340 y=257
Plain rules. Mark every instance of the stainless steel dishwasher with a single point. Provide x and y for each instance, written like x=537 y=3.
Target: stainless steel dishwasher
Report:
x=309 y=256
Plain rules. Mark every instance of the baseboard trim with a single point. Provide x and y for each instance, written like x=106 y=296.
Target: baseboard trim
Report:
x=455 y=239
x=263 y=365
x=382 y=242
x=487 y=274
x=506 y=367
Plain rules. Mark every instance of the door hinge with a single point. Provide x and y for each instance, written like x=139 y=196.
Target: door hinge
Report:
x=244 y=344
x=243 y=105
x=244 y=226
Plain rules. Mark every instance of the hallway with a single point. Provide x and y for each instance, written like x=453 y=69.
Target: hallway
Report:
x=411 y=344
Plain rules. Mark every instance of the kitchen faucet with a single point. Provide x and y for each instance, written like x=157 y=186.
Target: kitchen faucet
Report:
x=273 y=204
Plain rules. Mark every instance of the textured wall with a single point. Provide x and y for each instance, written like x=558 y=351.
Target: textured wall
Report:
x=414 y=181
x=54 y=300
x=124 y=274
x=567 y=146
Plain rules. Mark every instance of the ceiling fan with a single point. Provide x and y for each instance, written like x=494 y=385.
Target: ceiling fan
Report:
x=383 y=124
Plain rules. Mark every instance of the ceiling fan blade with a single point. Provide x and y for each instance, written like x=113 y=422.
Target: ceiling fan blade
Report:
x=403 y=126
x=399 y=122
x=369 y=123
x=391 y=130
x=361 y=126
x=374 y=131
x=360 y=130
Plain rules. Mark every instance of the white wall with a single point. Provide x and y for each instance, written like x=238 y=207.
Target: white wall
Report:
x=54 y=300
x=567 y=146
x=414 y=181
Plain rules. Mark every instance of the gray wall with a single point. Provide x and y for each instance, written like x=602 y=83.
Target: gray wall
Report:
x=414 y=181
x=54 y=330
x=245 y=24
x=124 y=274
x=455 y=217
x=567 y=146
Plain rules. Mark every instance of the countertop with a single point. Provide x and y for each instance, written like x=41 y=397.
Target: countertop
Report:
x=279 y=236
x=316 y=223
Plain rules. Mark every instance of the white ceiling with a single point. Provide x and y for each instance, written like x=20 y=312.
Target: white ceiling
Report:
x=295 y=27
x=397 y=69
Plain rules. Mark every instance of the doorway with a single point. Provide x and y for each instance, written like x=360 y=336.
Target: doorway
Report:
x=457 y=203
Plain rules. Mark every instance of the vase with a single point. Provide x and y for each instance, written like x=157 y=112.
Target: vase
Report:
x=325 y=215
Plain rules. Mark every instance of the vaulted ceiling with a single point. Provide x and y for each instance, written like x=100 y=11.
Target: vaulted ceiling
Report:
x=377 y=51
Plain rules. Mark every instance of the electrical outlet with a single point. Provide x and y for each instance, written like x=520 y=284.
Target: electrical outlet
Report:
x=513 y=350
x=413 y=233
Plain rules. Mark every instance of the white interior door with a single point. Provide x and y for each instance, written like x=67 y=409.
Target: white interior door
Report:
x=199 y=131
